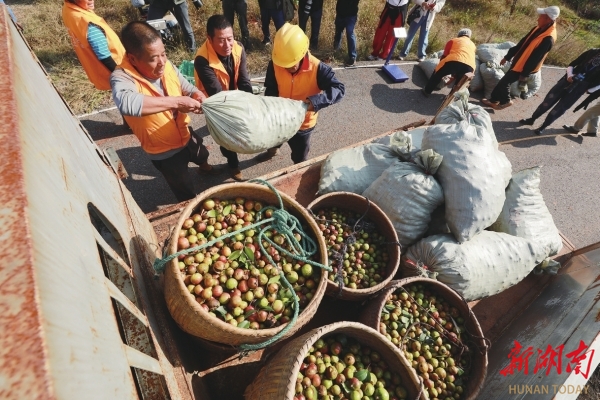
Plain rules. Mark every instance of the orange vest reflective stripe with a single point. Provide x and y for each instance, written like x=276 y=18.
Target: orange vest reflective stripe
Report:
x=209 y=53
x=300 y=86
x=76 y=20
x=160 y=132
x=462 y=50
x=518 y=67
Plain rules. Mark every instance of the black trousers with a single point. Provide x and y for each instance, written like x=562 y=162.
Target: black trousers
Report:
x=231 y=156
x=176 y=172
x=158 y=10
x=300 y=145
x=454 y=68
x=501 y=92
x=239 y=7
x=560 y=98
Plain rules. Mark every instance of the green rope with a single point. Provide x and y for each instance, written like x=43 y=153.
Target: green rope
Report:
x=285 y=224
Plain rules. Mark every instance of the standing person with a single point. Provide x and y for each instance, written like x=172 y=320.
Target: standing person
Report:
x=179 y=8
x=392 y=16
x=590 y=117
x=239 y=7
x=582 y=74
x=312 y=9
x=346 y=14
x=294 y=73
x=220 y=64
x=155 y=98
x=527 y=57
x=424 y=21
x=270 y=10
x=457 y=60
x=97 y=46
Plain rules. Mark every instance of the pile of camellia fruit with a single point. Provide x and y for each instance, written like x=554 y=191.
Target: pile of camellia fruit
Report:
x=232 y=279
x=428 y=329
x=338 y=367
x=364 y=261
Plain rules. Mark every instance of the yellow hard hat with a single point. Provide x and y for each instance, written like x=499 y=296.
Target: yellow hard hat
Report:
x=290 y=46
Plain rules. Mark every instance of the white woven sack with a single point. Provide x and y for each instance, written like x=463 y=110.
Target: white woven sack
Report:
x=486 y=265
x=428 y=66
x=458 y=111
x=248 y=124
x=473 y=175
x=408 y=193
x=525 y=213
x=354 y=169
x=491 y=74
x=534 y=82
x=493 y=52
x=477 y=82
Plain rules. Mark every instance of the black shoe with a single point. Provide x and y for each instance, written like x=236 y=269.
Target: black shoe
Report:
x=570 y=128
x=266 y=42
x=589 y=134
x=539 y=131
x=527 y=121
x=425 y=93
x=350 y=62
x=267 y=155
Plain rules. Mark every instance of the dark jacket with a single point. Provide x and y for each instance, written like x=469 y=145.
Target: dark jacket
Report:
x=333 y=90
x=582 y=65
x=314 y=6
x=346 y=8
x=536 y=55
x=209 y=80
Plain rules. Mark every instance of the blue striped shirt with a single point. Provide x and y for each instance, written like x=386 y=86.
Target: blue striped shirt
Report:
x=97 y=40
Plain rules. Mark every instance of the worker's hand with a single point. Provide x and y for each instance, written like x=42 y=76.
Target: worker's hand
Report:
x=199 y=96
x=310 y=106
x=503 y=61
x=186 y=104
x=569 y=78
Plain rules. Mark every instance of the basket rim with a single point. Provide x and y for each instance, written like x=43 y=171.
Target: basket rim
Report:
x=394 y=270
x=191 y=300
x=395 y=284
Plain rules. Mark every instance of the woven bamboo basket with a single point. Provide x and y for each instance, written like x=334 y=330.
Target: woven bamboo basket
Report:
x=183 y=307
x=277 y=380
x=478 y=344
x=358 y=204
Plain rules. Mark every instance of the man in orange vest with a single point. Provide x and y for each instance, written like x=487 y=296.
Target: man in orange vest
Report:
x=527 y=57
x=220 y=64
x=294 y=73
x=97 y=46
x=457 y=60
x=155 y=98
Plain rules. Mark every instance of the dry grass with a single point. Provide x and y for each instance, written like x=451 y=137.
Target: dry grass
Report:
x=489 y=20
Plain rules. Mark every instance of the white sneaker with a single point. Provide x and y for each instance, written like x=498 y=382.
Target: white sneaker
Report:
x=400 y=58
x=420 y=59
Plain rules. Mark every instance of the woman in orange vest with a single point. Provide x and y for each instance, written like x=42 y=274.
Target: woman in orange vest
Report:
x=293 y=73
x=457 y=60
x=220 y=64
x=527 y=57
x=97 y=46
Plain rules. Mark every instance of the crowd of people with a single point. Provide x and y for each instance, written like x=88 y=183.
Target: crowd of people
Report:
x=155 y=99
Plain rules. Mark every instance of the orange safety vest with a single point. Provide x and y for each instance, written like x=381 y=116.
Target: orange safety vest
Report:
x=160 y=132
x=300 y=86
x=76 y=20
x=518 y=67
x=208 y=52
x=462 y=50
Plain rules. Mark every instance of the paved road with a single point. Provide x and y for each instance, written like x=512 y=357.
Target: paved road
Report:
x=373 y=105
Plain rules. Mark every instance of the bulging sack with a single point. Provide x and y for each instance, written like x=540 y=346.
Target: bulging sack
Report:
x=525 y=213
x=477 y=82
x=534 y=82
x=493 y=52
x=473 y=176
x=428 y=66
x=491 y=73
x=248 y=124
x=408 y=193
x=460 y=110
x=486 y=265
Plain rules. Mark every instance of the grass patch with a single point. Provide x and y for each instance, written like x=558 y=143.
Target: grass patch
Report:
x=490 y=21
